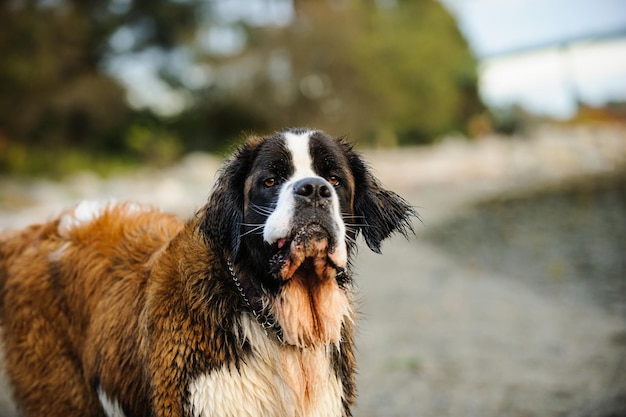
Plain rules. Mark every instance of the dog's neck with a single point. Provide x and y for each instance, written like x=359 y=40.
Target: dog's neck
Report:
x=254 y=301
x=308 y=310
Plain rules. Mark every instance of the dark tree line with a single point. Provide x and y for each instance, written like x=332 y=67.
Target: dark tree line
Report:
x=383 y=72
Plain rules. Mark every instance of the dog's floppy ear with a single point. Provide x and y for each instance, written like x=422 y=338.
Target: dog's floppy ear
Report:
x=382 y=212
x=221 y=218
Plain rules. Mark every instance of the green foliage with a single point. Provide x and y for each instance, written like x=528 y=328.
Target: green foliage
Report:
x=213 y=125
x=153 y=143
x=417 y=63
x=386 y=73
x=22 y=160
x=54 y=93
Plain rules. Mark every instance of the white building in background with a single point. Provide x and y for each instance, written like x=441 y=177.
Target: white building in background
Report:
x=551 y=81
x=544 y=55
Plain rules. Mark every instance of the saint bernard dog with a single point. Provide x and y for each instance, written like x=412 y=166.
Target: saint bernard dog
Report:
x=115 y=309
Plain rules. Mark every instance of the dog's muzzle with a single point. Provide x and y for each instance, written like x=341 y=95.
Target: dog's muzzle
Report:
x=314 y=244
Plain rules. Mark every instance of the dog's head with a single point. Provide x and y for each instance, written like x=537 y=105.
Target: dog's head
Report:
x=286 y=210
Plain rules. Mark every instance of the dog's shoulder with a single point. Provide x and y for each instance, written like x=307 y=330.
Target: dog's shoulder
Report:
x=92 y=242
x=94 y=220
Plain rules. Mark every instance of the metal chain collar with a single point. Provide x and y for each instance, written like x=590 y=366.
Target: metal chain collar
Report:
x=266 y=321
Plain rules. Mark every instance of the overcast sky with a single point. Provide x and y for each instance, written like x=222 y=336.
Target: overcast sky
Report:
x=499 y=26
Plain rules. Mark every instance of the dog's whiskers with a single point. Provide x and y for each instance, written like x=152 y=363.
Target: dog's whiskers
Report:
x=351 y=216
x=262 y=210
x=355 y=225
x=254 y=228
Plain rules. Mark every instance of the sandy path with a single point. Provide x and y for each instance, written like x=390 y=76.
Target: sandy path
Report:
x=438 y=337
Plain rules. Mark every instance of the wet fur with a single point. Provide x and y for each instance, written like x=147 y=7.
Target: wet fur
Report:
x=137 y=304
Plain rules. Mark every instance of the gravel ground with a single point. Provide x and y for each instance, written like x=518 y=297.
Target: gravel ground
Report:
x=509 y=301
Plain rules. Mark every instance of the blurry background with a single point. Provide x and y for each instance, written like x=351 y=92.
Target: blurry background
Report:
x=503 y=121
x=123 y=81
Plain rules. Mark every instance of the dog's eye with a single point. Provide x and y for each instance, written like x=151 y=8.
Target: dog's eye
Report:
x=269 y=182
x=334 y=180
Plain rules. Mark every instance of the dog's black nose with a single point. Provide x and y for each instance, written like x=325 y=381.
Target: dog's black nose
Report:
x=313 y=190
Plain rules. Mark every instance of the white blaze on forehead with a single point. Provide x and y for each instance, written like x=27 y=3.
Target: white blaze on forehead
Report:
x=278 y=225
x=298 y=145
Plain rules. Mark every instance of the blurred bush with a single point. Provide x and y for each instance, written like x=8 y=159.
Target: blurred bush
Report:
x=384 y=72
x=56 y=99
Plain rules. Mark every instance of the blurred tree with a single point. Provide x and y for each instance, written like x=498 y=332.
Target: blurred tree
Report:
x=395 y=71
x=54 y=91
x=383 y=71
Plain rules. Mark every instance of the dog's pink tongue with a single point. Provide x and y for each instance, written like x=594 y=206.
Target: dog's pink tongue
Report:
x=281 y=242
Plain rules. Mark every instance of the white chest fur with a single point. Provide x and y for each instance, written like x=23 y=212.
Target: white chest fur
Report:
x=273 y=381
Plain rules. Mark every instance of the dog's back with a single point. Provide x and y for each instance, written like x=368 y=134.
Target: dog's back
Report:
x=7 y=405
x=12 y=242
x=59 y=281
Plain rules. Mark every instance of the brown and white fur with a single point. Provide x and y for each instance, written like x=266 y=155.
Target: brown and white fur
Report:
x=115 y=309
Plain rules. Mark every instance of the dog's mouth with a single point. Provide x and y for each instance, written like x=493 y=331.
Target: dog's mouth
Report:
x=308 y=253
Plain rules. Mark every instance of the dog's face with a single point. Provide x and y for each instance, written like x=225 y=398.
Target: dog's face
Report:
x=299 y=202
x=287 y=209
